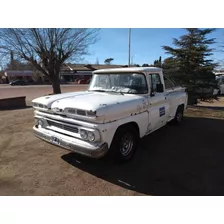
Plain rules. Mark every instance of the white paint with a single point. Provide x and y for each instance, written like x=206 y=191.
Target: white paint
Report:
x=111 y=110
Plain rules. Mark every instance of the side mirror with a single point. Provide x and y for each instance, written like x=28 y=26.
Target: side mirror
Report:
x=159 y=88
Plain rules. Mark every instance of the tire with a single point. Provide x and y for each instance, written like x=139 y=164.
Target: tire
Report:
x=124 y=144
x=179 y=115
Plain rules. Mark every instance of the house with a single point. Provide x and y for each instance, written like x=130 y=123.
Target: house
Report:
x=71 y=72
x=68 y=73
x=12 y=75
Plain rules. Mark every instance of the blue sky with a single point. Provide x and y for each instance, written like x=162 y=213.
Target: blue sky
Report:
x=145 y=44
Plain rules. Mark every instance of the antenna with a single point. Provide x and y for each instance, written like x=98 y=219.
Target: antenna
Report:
x=129 y=46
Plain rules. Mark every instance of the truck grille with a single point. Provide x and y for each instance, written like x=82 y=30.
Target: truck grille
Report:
x=63 y=126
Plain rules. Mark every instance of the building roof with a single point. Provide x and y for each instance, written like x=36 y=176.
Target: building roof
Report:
x=18 y=73
x=86 y=67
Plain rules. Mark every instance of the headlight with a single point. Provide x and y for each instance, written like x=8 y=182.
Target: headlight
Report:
x=87 y=135
x=91 y=136
x=83 y=134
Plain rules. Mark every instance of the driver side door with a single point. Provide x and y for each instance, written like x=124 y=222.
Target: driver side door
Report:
x=158 y=104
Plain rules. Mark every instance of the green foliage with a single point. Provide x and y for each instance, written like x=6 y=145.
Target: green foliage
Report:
x=158 y=63
x=190 y=64
x=108 y=61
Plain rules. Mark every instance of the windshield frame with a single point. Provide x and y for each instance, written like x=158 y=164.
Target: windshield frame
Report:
x=122 y=73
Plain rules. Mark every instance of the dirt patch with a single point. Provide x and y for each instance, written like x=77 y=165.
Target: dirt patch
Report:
x=175 y=160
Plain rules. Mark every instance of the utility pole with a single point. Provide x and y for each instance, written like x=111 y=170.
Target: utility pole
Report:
x=129 y=46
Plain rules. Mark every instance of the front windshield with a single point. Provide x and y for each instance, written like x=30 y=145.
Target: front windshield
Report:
x=132 y=83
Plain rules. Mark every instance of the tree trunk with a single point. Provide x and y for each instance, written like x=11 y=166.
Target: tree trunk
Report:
x=55 y=83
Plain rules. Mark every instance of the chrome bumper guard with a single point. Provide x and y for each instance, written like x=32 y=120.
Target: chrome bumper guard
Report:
x=72 y=144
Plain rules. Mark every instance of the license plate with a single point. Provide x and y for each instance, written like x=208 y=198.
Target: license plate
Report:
x=55 y=140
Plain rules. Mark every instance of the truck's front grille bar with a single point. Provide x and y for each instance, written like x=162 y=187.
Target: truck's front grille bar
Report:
x=63 y=126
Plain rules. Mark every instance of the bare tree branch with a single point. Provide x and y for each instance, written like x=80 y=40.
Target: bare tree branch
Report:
x=47 y=49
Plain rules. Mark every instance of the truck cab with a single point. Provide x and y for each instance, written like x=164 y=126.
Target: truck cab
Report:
x=120 y=107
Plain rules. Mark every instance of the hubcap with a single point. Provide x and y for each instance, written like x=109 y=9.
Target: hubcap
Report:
x=126 y=144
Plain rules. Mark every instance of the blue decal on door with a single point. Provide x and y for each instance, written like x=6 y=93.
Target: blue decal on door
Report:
x=162 y=111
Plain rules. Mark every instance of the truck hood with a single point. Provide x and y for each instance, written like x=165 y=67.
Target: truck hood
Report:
x=48 y=100
x=105 y=106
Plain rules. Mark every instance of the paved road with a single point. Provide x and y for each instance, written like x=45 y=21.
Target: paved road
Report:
x=6 y=86
x=32 y=91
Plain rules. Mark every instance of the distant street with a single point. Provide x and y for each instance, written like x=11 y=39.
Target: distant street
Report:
x=5 y=86
x=34 y=91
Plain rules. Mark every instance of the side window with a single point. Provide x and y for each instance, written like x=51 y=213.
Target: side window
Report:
x=155 y=79
x=168 y=83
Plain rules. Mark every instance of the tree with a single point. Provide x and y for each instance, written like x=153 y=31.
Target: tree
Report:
x=47 y=48
x=190 y=58
x=170 y=67
x=145 y=65
x=16 y=64
x=108 y=61
x=158 y=63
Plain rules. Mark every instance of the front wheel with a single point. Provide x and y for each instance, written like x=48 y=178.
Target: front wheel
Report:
x=124 y=143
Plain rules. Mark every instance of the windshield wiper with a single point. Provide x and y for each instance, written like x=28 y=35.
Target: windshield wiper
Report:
x=108 y=91
x=116 y=92
x=98 y=90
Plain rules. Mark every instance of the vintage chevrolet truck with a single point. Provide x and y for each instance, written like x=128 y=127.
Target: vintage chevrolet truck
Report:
x=121 y=106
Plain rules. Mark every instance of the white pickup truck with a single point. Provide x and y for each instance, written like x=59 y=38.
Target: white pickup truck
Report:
x=120 y=106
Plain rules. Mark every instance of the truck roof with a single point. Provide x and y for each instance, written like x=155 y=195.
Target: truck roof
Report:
x=130 y=69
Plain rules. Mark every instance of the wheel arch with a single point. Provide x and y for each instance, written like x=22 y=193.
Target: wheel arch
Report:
x=139 y=122
x=133 y=124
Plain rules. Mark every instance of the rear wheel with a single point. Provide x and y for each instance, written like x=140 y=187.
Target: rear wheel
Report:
x=179 y=115
x=124 y=143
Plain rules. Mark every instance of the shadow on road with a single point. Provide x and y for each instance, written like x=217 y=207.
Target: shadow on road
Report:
x=184 y=160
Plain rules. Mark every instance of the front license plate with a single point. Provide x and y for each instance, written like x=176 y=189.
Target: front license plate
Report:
x=55 y=140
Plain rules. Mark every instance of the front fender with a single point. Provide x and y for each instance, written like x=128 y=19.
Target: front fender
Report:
x=108 y=130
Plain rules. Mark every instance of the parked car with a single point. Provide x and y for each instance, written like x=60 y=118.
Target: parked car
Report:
x=120 y=106
x=18 y=82
x=84 y=81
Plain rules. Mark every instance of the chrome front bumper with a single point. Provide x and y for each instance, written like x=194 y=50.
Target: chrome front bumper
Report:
x=70 y=143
